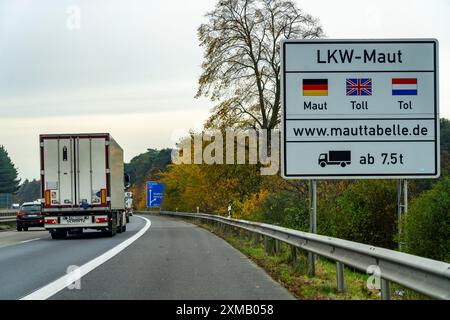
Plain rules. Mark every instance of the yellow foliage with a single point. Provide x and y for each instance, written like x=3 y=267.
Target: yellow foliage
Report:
x=250 y=206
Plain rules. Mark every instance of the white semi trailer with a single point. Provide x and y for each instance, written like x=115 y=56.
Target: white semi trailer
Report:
x=82 y=180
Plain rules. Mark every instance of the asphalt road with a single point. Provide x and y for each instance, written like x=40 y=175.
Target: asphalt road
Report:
x=8 y=238
x=171 y=260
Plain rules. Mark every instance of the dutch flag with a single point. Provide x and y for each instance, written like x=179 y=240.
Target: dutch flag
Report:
x=404 y=87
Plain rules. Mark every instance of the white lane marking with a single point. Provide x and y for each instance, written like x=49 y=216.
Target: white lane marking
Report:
x=26 y=241
x=61 y=283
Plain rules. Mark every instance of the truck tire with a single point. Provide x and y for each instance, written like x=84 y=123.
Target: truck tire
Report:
x=111 y=232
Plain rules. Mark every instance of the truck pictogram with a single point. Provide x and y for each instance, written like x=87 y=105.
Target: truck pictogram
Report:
x=342 y=158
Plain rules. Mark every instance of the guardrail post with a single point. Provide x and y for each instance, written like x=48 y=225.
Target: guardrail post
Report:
x=277 y=246
x=294 y=255
x=256 y=238
x=266 y=244
x=250 y=235
x=385 y=289
x=340 y=277
x=311 y=264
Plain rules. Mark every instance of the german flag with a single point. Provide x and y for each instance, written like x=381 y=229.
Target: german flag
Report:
x=315 y=87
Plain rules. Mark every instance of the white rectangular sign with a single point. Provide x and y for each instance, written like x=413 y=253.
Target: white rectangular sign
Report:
x=357 y=109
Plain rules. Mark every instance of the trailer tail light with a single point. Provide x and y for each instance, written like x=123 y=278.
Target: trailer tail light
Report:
x=101 y=220
x=103 y=196
x=51 y=221
x=47 y=198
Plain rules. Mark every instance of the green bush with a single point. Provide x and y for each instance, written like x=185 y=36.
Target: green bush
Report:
x=427 y=224
x=365 y=212
x=286 y=209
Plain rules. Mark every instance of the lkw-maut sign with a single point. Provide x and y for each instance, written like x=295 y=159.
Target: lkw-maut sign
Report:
x=360 y=109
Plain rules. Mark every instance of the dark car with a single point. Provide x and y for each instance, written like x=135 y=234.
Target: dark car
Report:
x=30 y=215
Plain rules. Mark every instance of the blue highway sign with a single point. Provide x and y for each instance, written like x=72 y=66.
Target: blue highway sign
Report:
x=155 y=194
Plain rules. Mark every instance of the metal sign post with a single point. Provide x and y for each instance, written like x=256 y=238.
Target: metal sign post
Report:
x=402 y=207
x=312 y=223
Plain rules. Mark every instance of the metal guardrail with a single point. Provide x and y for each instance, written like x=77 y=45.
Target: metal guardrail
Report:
x=8 y=213
x=426 y=276
x=7 y=216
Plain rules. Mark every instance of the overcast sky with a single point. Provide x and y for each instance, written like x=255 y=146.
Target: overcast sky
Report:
x=132 y=67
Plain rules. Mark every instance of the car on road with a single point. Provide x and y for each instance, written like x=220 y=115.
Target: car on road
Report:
x=30 y=215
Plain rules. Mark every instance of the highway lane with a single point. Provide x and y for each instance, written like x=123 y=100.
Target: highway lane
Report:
x=176 y=260
x=8 y=238
x=26 y=267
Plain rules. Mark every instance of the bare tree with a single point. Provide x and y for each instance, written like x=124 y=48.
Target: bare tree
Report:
x=241 y=67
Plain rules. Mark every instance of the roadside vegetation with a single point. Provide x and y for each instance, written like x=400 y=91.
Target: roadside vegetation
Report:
x=427 y=225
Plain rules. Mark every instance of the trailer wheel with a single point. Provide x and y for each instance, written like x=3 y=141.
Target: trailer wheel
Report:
x=111 y=232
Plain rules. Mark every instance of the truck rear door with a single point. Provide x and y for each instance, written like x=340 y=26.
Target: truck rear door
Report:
x=75 y=171
x=91 y=171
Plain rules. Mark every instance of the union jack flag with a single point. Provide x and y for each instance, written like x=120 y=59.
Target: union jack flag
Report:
x=359 y=87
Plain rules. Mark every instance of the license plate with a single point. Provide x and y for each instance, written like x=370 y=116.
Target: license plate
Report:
x=32 y=215
x=75 y=220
